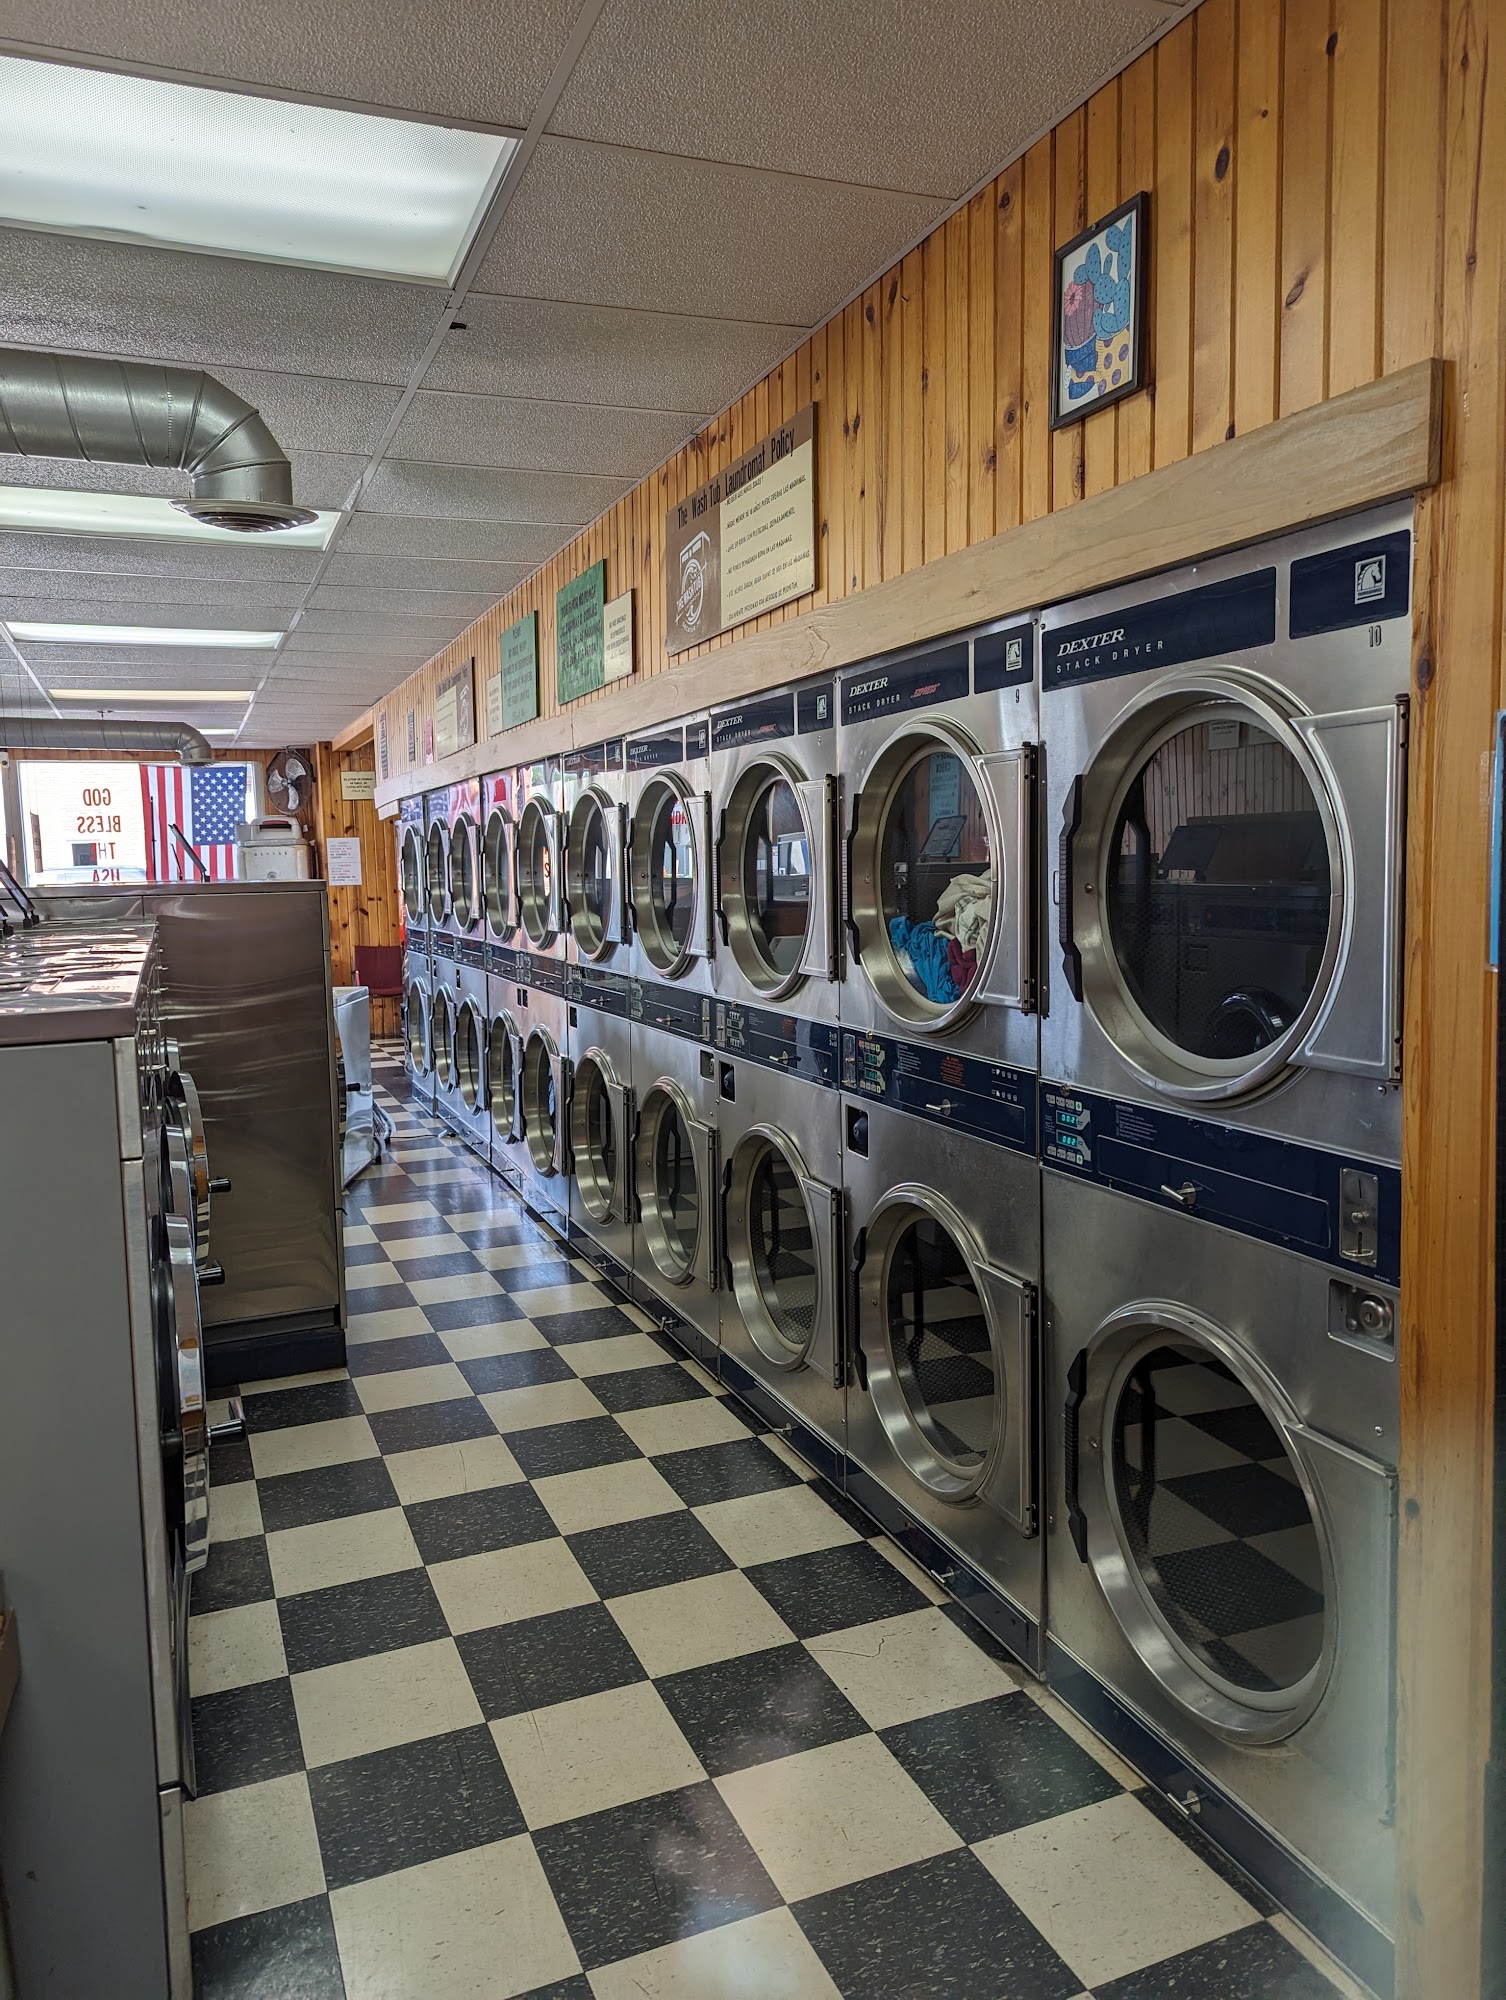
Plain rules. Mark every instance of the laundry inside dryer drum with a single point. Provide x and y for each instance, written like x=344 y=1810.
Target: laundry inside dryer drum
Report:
x=936 y=873
x=665 y=902
x=1218 y=889
x=496 y=871
x=773 y=1252
x=942 y=1407
x=470 y=1058
x=1214 y=1521
x=594 y=1140
x=769 y=899
x=463 y=873
x=540 y=1109
x=672 y=1212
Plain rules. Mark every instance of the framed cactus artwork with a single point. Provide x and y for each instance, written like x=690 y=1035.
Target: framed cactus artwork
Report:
x=1099 y=345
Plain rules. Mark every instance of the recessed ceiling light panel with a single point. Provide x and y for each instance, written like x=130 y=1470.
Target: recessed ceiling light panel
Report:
x=133 y=697
x=136 y=635
x=94 y=153
x=43 y=510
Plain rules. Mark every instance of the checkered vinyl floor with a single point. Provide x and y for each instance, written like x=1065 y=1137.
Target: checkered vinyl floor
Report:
x=524 y=1665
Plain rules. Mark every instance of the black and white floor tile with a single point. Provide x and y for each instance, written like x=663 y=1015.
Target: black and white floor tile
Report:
x=527 y=1664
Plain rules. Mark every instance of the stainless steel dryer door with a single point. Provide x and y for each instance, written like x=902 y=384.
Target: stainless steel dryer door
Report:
x=416 y=1028
x=411 y=860
x=442 y=1037
x=948 y=1350
x=1230 y=886
x=941 y=876
x=470 y=1056
x=437 y=872
x=783 y=1242
x=499 y=875
x=601 y=1124
x=594 y=873
x=674 y=1175
x=776 y=881
x=538 y=869
x=669 y=842
x=464 y=873
x=1241 y=1553
x=503 y=1064
x=546 y=1110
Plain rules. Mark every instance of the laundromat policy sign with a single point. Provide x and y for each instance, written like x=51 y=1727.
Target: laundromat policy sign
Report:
x=746 y=540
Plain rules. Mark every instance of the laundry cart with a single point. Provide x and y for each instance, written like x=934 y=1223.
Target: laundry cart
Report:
x=367 y=1127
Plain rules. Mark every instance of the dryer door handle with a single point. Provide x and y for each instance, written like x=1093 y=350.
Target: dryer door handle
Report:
x=718 y=898
x=1077 y=1389
x=1065 y=928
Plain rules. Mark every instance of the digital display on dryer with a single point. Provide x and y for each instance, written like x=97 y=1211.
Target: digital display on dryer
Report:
x=990 y=1100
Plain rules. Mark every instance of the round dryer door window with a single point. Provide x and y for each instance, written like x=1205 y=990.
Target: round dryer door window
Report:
x=463 y=900
x=944 y=1413
x=501 y=1072
x=444 y=1038
x=540 y=1102
x=1203 y=1529
x=416 y=1028
x=413 y=875
x=594 y=1139
x=1218 y=889
x=590 y=869
x=536 y=872
x=664 y=883
x=470 y=1057
x=438 y=849
x=772 y=1251
x=766 y=878
x=669 y=1189
x=496 y=873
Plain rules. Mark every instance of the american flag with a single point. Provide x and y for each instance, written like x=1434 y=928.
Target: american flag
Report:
x=205 y=803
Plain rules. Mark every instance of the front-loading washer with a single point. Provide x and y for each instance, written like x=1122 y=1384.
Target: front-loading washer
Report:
x=501 y=930
x=543 y=1089
x=774 y=789
x=944 y=1331
x=594 y=810
x=669 y=857
x=675 y=1186
x=1225 y=752
x=1221 y=1554
x=937 y=752
x=601 y=1114
x=783 y=1241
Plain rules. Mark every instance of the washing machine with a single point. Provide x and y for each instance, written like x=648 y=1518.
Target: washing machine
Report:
x=1226 y=786
x=944 y=1334
x=669 y=857
x=504 y=972
x=675 y=1172
x=601 y=1113
x=774 y=789
x=594 y=812
x=543 y=1090
x=1221 y=1439
x=418 y=971
x=783 y=1243
x=937 y=753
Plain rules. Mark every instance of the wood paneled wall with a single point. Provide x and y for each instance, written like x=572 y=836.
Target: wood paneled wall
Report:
x=1328 y=182
x=372 y=913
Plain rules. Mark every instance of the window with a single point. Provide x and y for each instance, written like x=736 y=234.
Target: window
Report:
x=116 y=822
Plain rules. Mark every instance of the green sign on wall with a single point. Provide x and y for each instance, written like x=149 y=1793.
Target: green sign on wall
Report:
x=518 y=677
x=580 y=634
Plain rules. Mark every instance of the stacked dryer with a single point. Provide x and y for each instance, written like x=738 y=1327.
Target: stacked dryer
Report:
x=504 y=1041
x=938 y=758
x=464 y=1100
x=539 y=994
x=601 y=1110
x=418 y=971
x=675 y=1249
x=1221 y=1124
x=777 y=970
x=441 y=945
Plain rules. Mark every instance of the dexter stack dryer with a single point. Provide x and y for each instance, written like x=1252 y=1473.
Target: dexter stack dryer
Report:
x=418 y=971
x=466 y=1107
x=503 y=930
x=775 y=794
x=1221 y=1123
x=598 y=990
x=544 y=1069
x=937 y=754
x=675 y=1252
x=441 y=942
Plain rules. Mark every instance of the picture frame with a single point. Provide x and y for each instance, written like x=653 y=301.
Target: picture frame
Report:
x=1100 y=342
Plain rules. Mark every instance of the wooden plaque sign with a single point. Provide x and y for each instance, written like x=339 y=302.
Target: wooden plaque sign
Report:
x=512 y=693
x=455 y=711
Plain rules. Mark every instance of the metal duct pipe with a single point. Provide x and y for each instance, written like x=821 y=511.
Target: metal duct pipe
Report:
x=77 y=732
x=133 y=413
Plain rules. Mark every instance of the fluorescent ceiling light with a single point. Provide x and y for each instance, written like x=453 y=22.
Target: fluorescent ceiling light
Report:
x=137 y=635
x=132 y=697
x=93 y=153
x=43 y=510
x=221 y=732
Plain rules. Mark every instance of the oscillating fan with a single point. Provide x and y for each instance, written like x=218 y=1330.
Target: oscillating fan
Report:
x=290 y=782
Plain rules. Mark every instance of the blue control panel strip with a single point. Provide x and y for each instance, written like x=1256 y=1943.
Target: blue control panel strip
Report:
x=471 y=951
x=784 y=1042
x=526 y=968
x=676 y=1012
x=602 y=992
x=1227 y=617
x=1272 y=1189
x=987 y=1099
x=444 y=944
x=764 y=721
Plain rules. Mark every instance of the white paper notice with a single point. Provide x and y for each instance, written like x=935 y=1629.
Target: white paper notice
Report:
x=768 y=538
x=617 y=647
x=342 y=857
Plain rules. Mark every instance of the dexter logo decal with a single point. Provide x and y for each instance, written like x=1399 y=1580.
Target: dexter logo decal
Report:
x=1071 y=647
x=868 y=687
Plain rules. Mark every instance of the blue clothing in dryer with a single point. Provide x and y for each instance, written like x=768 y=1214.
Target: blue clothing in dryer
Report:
x=928 y=953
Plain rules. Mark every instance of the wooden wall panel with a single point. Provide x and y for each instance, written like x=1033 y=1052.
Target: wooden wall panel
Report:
x=370 y=914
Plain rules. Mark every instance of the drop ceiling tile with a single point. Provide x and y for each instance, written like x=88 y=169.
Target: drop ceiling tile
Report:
x=494 y=579
x=582 y=436
x=107 y=611
x=63 y=594
x=849 y=90
x=642 y=360
x=371 y=646
x=486 y=62
x=320 y=479
x=255 y=559
x=476 y=540
x=376 y=622
x=463 y=604
x=317 y=412
x=209 y=312
x=157 y=666
x=683 y=236
x=467 y=492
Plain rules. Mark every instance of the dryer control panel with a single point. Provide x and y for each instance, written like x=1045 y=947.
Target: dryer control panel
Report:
x=988 y=1099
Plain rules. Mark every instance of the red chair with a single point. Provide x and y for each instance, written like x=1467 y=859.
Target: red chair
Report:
x=379 y=968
